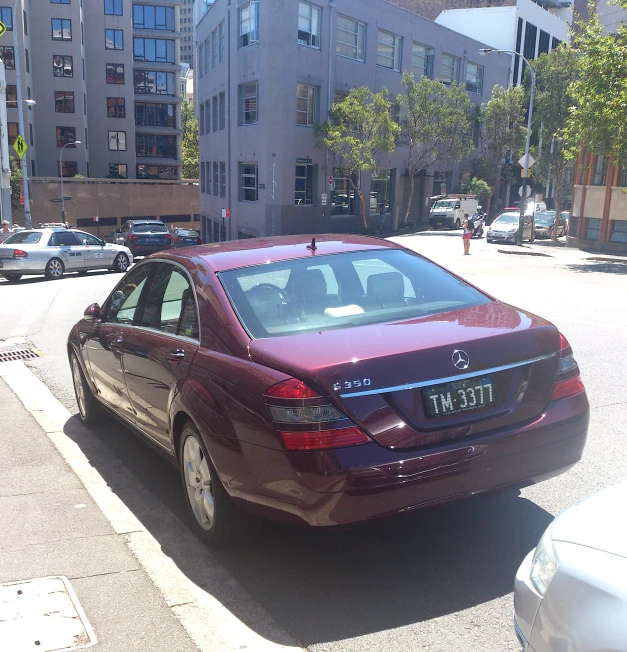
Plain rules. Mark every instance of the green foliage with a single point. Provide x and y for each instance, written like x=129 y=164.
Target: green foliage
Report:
x=597 y=119
x=189 y=124
x=360 y=128
x=434 y=124
x=478 y=187
x=16 y=183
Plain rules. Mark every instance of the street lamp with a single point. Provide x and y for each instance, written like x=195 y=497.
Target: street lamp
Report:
x=523 y=202
x=76 y=142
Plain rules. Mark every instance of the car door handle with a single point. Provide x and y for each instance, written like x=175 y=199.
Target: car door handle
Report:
x=176 y=355
x=116 y=343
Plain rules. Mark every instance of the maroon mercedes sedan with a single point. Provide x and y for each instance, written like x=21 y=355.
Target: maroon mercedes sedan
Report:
x=327 y=382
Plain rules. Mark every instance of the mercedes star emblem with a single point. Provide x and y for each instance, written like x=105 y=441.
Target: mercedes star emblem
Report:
x=461 y=359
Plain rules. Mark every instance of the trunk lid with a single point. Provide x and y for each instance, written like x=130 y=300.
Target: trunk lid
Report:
x=380 y=375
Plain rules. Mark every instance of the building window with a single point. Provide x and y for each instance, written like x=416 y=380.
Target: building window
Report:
x=11 y=96
x=593 y=228
x=61 y=29
x=201 y=120
x=116 y=107
x=449 y=69
x=154 y=114
x=222 y=180
x=214 y=110
x=248 y=182
x=222 y=110
x=303 y=189
x=154 y=82
x=474 y=78
x=60 y=2
x=149 y=145
x=380 y=190
x=350 y=38
x=208 y=116
x=202 y=170
x=117 y=141
x=31 y=135
x=529 y=47
x=248 y=24
x=113 y=7
x=63 y=101
x=600 y=171
x=622 y=179
x=153 y=49
x=389 y=50
x=115 y=73
x=118 y=171
x=308 y=24
x=222 y=38
x=422 y=58
x=8 y=57
x=114 y=39
x=65 y=136
x=619 y=231
x=216 y=180
x=162 y=172
x=152 y=17
x=67 y=169
x=6 y=16
x=214 y=48
x=62 y=66
x=25 y=21
x=544 y=43
x=13 y=131
x=342 y=195
x=248 y=104
x=306 y=105
x=27 y=60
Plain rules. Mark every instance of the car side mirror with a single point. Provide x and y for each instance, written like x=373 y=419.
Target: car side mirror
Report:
x=93 y=313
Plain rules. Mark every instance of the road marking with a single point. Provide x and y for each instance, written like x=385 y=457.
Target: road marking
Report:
x=209 y=623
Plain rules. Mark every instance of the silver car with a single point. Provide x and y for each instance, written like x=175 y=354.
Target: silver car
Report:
x=505 y=228
x=571 y=591
x=54 y=251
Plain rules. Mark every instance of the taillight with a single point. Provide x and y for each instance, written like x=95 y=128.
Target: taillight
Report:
x=179 y=239
x=567 y=381
x=20 y=253
x=132 y=236
x=306 y=421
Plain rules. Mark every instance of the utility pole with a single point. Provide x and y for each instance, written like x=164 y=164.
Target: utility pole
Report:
x=5 y=166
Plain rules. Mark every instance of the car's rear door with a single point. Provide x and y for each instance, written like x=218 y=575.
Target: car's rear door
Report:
x=159 y=351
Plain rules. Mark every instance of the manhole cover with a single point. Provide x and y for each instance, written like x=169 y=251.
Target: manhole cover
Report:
x=17 y=351
x=42 y=614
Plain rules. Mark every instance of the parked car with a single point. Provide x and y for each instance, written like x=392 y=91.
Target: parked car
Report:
x=327 y=382
x=145 y=237
x=544 y=224
x=115 y=237
x=505 y=228
x=52 y=252
x=571 y=591
x=186 y=238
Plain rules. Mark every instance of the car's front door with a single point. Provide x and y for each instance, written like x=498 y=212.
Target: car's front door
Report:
x=105 y=343
x=66 y=246
x=95 y=254
x=159 y=351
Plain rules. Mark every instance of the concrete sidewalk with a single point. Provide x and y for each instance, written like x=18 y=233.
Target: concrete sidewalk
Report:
x=52 y=527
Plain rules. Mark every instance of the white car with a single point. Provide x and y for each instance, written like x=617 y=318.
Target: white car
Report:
x=571 y=591
x=54 y=251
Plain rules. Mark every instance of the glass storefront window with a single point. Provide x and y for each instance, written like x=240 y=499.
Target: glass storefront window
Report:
x=342 y=195
x=594 y=228
x=380 y=190
x=619 y=231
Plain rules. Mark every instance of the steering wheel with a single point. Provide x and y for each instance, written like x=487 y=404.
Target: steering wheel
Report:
x=266 y=290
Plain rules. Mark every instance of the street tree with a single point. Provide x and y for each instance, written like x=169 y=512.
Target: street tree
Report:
x=478 y=187
x=435 y=125
x=556 y=73
x=597 y=119
x=359 y=129
x=16 y=182
x=502 y=133
x=189 y=125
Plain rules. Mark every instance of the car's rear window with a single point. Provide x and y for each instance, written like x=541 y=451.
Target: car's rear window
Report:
x=187 y=234
x=342 y=290
x=24 y=237
x=150 y=228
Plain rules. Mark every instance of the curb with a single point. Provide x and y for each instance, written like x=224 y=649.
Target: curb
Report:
x=516 y=252
x=607 y=259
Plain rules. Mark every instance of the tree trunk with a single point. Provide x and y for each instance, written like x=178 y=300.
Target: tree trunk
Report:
x=555 y=231
x=411 y=195
x=362 y=199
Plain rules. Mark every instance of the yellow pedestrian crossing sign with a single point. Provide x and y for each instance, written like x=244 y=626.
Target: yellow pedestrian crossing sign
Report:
x=3 y=28
x=20 y=146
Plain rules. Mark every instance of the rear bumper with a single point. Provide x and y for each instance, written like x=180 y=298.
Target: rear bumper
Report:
x=146 y=250
x=364 y=482
x=24 y=266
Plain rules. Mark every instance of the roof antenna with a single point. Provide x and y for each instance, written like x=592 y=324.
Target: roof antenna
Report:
x=312 y=246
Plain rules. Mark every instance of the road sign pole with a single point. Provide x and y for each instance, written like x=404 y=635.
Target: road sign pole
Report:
x=5 y=167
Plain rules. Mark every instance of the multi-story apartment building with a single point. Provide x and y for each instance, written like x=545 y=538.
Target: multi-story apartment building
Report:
x=267 y=72
x=105 y=73
x=187 y=32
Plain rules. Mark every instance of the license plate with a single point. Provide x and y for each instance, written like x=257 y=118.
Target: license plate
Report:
x=458 y=396
x=152 y=239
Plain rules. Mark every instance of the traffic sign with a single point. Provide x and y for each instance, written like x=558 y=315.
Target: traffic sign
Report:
x=324 y=199
x=3 y=28
x=330 y=183
x=20 y=146
x=96 y=219
x=527 y=189
x=522 y=161
x=228 y=212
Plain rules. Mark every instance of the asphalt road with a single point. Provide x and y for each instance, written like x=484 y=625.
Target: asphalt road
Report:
x=439 y=580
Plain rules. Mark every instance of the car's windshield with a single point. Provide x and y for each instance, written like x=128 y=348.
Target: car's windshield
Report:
x=342 y=291
x=450 y=203
x=545 y=217
x=507 y=218
x=153 y=227
x=24 y=237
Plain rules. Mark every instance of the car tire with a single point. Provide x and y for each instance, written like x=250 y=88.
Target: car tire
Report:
x=88 y=406
x=12 y=277
x=213 y=512
x=54 y=269
x=120 y=264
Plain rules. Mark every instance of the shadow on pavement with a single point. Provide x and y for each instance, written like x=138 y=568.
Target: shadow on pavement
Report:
x=31 y=280
x=600 y=267
x=323 y=586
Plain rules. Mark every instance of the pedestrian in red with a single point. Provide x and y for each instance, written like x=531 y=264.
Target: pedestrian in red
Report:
x=467 y=234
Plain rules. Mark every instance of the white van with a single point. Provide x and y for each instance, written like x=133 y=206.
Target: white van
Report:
x=447 y=211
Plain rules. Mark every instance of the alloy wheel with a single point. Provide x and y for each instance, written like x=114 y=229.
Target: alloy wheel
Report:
x=55 y=268
x=79 y=387
x=198 y=483
x=121 y=263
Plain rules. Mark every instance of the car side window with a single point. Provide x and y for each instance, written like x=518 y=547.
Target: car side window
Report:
x=63 y=239
x=87 y=239
x=170 y=306
x=122 y=306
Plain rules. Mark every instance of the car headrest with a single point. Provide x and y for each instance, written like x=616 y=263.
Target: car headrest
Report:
x=385 y=287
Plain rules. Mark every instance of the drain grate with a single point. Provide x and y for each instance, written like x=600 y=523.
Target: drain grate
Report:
x=12 y=352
